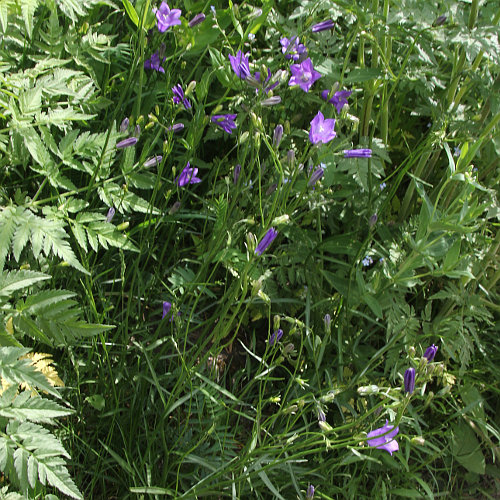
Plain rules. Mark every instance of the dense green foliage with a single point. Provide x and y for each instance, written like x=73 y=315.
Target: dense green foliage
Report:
x=399 y=248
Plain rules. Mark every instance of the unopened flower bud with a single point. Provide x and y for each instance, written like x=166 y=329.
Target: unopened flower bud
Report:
x=123 y=226
x=124 y=125
x=419 y=440
x=137 y=130
x=199 y=18
x=440 y=20
x=325 y=426
x=328 y=323
x=367 y=390
x=289 y=349
x=251 y=242
x=290 y=157
x=271 y=189
x=236 y=173
x=190 y=88
x=175 y=207
x=310 y=492
x=291 y=409
x=276 y=321
x=271 y=101
x=278 y=135
x=411 y=351
x=282 y=219
x=111 y=214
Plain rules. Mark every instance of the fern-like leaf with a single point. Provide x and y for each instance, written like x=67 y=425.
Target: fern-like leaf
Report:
x=31 y=453
x=13 y=281
x=17 y=371
x=25 y=406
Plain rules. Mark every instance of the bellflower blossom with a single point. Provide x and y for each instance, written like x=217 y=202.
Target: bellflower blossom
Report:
x=154 y=63
x=188 y=176
x=358 y=153
x=179 y=96
x=339 y=99
x=384 y=442
x=236 y=173
x=276 y=336
x=324 y=25
x=167 y=17
x=266 y=241
x=430 y=352
x=166 y=308
x=322 y=130
x=240 y=64
x=367 y=261
x=303 y=75
x=225 y=122
x=409 y=380
x=293 y=49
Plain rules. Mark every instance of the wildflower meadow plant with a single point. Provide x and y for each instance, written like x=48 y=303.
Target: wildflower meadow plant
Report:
x=284 y=104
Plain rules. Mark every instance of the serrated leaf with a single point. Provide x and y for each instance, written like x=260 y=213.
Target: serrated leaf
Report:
x=18 y=371
x=17 y=280
x=34 y=409
x=28 y=8
x=7 y=229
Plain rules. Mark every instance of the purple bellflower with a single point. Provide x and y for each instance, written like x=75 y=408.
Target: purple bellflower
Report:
x=198 y=19
x=167 y=17
x=126 y=143
x=322 y=130
x=179 y=96
x=339 y=99
x=154 y=63
x=324 y=25
x=188 y=176
x=166 y=308
x=430 y=352
x=240 y=64
x=409 y=380
x=358 y=153
x=383 y=438
x=225 y=122
x=293 y=49
x=316 y=176
x=276 y=336
x=266 y=241
x=303 y=75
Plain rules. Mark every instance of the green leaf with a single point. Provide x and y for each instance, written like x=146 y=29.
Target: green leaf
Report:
x=17 y=371
x=17 y=280
x=132 y=14
x=466 y=448
x=28 y=8
x=26 y=407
